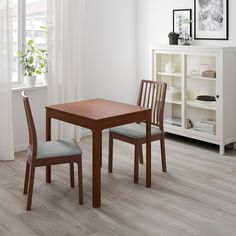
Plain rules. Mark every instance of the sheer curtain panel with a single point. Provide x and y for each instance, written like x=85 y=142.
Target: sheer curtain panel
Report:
x=6 y=129
x=65 y=20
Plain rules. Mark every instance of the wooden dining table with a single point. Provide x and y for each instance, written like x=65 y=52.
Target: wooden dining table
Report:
x=97 y=115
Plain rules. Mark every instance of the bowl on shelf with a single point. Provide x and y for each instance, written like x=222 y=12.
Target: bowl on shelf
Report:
x=206 y=98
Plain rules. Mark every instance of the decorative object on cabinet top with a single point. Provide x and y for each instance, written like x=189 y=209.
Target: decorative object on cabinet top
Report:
x=182 y=22
x=173 y=38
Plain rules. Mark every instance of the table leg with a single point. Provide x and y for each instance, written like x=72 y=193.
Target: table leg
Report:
x=97 y=155
x=48 y=138
x=148 y=153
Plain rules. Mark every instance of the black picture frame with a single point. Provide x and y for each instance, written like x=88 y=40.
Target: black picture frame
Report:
x=176 y=26
x=200 y=30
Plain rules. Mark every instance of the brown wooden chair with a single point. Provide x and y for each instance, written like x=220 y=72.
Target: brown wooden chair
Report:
x=152 y=95
x=47 y=154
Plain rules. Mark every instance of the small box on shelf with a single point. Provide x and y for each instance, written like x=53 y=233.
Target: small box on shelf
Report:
x=209 y=74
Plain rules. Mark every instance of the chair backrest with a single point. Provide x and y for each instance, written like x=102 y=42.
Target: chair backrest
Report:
x=32 y=149
x=152 y=95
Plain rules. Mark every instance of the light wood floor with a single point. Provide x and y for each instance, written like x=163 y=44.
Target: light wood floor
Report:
x=196 y=197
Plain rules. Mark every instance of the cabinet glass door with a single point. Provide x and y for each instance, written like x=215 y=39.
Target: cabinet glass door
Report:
x=169 y=70
x=201 y=77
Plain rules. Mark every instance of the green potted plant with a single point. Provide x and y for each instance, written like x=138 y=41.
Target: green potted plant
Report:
x=186 y=38
x=34 y=62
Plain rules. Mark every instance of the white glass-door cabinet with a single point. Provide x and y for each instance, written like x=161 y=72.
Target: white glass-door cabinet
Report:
x=201 y=91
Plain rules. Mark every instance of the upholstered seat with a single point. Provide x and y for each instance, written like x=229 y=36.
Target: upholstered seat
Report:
x=48 y=154
x=58 y=148
x=135 y=130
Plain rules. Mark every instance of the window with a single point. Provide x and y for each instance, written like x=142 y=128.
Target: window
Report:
x=28 y=21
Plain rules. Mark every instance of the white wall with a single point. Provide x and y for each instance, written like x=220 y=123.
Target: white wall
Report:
x=108 y=61
x=154 y=22
x=109 y=56
x=38 y=99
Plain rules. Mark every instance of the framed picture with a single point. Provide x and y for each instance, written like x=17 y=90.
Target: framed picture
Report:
x=182 y=22
x=211 y=19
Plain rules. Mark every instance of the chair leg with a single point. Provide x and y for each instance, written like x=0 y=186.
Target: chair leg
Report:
x=72 y=178
x=31 y=185
x=26 y=183
x=48 y=174
x=110 y=153
x=136 y=163
x=163 y=154
x=80 y=181
x=141 y=154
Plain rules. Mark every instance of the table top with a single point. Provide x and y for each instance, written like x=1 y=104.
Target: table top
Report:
x=97 y=109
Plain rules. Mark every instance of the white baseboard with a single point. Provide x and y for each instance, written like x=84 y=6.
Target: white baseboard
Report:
x=85 y=132
x=23 y=147
x=20 y=148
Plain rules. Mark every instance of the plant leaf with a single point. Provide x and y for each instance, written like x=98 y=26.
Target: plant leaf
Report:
x=31 y=60
x=19 y=53
x=30 y=43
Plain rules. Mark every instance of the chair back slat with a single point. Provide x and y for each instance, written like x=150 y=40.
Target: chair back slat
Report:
x=159 y=90
x=31 y=127
x=149 y=95
x=145 y=95
x=153 y=100
x=152 y=95
x=156 y=105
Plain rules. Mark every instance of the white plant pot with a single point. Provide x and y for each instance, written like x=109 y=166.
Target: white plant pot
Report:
x=44 y=79
x=30 y=81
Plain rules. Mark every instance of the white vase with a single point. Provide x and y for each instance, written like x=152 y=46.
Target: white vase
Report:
x=44 y=79
x=30 y=81
x=169 y=67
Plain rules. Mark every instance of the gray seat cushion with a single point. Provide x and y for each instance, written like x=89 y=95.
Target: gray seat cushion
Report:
x=135 y=130
x=57 y=148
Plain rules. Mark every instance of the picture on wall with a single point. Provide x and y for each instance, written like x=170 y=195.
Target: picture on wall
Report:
x=211 y=19
x=182 y=22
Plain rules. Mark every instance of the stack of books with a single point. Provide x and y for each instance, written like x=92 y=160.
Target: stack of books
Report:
x=206 y=126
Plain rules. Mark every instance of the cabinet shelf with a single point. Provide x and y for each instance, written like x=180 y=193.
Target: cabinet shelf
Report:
x=201 y=106
x=192 y=104
x=201 y=78
x=176 y=74
x=174 y=101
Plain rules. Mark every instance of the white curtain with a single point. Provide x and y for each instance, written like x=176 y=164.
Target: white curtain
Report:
x=6 y=130
x=65 y=20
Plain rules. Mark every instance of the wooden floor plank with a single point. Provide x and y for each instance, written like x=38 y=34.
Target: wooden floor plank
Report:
x=197 y=197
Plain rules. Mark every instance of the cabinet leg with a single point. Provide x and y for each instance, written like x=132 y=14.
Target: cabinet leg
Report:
x=222 y=149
